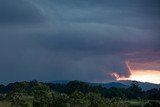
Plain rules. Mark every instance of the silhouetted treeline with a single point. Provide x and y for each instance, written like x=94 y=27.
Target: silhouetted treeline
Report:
x=133 y=92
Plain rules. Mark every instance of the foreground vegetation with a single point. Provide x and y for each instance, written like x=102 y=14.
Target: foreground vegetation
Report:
x=75 y=94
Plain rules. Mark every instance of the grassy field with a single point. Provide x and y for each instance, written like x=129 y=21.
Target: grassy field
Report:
x=121 y=103
x=5 y=104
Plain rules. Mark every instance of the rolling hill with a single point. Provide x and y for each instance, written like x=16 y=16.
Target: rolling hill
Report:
x=120 y=84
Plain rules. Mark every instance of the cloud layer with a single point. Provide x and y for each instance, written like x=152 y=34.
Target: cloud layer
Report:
x=77 y=39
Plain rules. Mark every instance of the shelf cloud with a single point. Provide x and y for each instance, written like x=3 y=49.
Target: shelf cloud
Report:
x=77 y=39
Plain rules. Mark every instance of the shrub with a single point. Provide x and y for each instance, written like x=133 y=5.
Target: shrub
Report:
x=2 y=97
x=96 y=100
x=152 y=104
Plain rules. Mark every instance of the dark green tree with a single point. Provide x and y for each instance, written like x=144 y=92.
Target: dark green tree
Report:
x=96 y=100
x=134 y=91
x=42 y=95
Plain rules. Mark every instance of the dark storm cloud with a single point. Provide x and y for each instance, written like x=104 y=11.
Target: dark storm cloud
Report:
x=76 y=39
x=143 y=61
x=123 y=13
x=157 y=43
x=19 y=12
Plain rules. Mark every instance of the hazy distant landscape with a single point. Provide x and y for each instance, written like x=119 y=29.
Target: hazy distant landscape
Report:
x=119 y=84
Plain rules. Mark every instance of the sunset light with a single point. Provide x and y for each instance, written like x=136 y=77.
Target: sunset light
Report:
x=79 y=53
x=152 y=76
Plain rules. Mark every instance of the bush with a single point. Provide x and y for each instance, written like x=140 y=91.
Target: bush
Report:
x=96 y=100
x=16 y=99
x=77 y=95
x=152 y=104
x=37 y=103
x=2 y=97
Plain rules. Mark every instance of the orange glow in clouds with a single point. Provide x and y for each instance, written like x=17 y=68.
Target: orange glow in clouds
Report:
x=151 y=76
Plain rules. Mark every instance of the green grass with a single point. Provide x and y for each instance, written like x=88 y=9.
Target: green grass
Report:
x=5 y=104
x=121 y=103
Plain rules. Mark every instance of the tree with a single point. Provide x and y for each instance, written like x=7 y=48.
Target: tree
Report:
x=134 y=91
x=42 y=95
x=2 y=88
x=59 y=100
x=152 y=104
x=153 y=94
x=114 y=92
x=96 y=100
x=17 y=99
x=77 y=86
x=77 y=95
x=21 y=87
x=77 y=99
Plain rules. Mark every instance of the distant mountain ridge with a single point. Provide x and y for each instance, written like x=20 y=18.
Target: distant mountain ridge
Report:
x=144 y=85
x=60 y=81
x=111 y=84
x=119 y=84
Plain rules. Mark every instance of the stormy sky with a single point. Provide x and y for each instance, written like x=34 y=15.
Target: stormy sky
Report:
x=83 y=40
